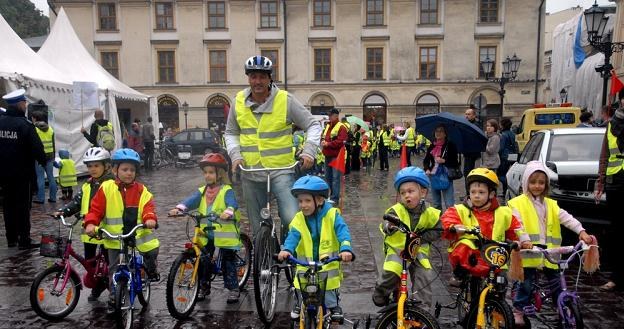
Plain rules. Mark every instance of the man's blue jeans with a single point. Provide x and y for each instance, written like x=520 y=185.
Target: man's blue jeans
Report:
x=332 y=177
x=449 y=198
x=41 y=174
x=256 y=199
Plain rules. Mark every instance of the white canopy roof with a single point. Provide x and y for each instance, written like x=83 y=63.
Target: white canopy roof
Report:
x=64 y=50
x=18 y=59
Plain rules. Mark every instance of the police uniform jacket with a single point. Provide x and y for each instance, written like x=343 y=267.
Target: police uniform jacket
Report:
x=20 y=147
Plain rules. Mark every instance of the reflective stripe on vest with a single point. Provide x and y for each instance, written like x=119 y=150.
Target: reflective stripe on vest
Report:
x=47 y=139
x=410 y=137
x=614 y=164
x=67 y=173
x=328 y=246
x=113 y=221
x=502 y=221
x=530 y=221
x=226 y=234
x=268 y=142
x=394 y=243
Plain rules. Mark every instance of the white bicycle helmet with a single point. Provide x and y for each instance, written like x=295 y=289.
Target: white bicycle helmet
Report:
x=96 y=154
x=258 y=64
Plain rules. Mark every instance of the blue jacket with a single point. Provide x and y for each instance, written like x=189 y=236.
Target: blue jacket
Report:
x=192 y=202
x=314 y=226
x=507 y=144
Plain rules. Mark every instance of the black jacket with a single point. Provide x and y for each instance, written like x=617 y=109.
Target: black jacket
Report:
x=450 y=156
x=93 y=131
x=73 y=207
x=20 y=147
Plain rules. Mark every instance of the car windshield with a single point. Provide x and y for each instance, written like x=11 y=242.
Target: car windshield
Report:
x=554 y=118
x=581 y=147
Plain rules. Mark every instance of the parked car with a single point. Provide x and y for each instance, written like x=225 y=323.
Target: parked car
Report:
x=201 y=140
x=571 y=157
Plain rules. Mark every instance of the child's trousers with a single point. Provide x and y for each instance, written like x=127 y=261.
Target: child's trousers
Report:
x=524 y=289
x=421 y=278
x=149 y=262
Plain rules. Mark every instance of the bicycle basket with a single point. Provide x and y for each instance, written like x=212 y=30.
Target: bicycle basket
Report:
x=312 y=287
x=52 y=245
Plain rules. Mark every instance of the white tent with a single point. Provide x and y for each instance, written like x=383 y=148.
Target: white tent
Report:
x=78 y=64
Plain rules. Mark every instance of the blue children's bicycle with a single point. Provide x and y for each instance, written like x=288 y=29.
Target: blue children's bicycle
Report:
x=130 y=280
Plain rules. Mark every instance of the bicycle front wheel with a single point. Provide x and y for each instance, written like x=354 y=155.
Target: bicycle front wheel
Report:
x=264 y=279
x=46 y=298
x=123 y=305
x=181 y=295
x=571 y=317
x=414 y=318
x=243 y=261
x=498 y=315
x=146 y=289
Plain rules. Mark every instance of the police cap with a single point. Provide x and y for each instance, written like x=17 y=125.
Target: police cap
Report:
x=15 y=96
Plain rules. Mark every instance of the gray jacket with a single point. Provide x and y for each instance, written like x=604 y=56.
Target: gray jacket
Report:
x=490 y=158
x=296 y=113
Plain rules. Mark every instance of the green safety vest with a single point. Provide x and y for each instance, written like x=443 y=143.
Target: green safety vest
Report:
x=85 y=202
x=328 y=247
x=394 y=243
x=67 y=173
x=386 y=138
x=47 y=139
x=502 y=221
x=614 y=165
x=113 y=221
x=268 y=142
x=227 y=233
x=410 y=137
x=530 y=221
x=334 y=131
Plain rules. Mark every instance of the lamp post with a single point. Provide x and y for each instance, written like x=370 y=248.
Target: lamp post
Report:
x=596 y=22
x=510 y=71
x=185 y=109
x=564 y=95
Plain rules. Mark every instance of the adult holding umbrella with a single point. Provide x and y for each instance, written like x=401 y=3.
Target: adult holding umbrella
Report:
x=441 y=154
x=470 y=158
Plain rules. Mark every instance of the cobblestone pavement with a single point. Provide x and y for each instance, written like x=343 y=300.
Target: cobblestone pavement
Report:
x=368 y=195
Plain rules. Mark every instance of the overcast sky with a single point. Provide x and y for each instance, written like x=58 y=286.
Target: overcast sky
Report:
x=552 y=6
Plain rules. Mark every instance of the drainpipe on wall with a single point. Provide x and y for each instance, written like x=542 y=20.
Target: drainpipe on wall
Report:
x=539 y=55
x=286 y=48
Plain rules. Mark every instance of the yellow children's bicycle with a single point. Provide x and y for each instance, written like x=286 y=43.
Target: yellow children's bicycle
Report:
x=194 y=267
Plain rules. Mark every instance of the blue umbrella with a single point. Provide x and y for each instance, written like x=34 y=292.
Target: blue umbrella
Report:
x=465 y=135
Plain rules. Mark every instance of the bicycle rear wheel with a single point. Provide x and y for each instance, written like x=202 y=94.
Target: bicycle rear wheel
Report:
x=498 y=315
x=570 y=315
x=243 y=261
x=47 y=300
x=181 y=296
x=264 y=278
x=146 y=289
x=123 y=306
x=415 y=318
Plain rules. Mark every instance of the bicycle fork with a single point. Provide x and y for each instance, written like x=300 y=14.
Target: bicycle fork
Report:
x=402 y=298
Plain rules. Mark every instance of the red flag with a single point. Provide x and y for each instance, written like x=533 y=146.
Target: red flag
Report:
x=616 y=84
x=403 y=156
x=339 y=162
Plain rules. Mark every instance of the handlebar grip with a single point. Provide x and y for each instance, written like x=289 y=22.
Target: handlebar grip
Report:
x=275 y=258
x=209 y=228
x=392 y=219
x=514 y=245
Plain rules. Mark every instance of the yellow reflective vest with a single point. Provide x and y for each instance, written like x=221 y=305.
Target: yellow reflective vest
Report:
x=334 y=131
x=410 y=140
x=394 y=243
x=67 y=173
x=530 y=221
x=47 y=139
x=329 y=246
x=386 y=138
x=614 y=165
x=502 y=222
x=85 y=202
x=226 y=232
x=268 y=142
x=113 y=219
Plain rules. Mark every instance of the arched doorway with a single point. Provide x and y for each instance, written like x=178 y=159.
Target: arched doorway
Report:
x=218 y=108
x=169 y=112
x=427 y=104
x=375 y=110
x=321 y=104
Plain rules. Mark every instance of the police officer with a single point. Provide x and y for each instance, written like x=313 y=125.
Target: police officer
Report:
x=20 y=147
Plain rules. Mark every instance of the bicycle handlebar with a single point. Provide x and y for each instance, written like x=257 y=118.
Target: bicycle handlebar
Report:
x=267 y=169
x=396 y=221
x=550 y=252
x=319 y=264
x=64 y=222
x=99 y=231
x=460 y=229
x=197 y=217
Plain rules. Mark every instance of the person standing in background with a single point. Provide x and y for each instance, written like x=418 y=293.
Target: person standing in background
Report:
x=147 y=132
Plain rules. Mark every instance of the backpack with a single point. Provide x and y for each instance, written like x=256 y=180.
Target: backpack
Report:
x=105 y=137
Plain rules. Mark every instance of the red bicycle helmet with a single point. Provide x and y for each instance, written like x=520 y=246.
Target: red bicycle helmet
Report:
x=213 y=159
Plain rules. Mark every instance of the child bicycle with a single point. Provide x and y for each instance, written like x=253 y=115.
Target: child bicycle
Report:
x=314 y=314
x=55 y=291
x=184 y=280
x=481 y=301
x=568 y=305
x=406 y=314
x=266 y=243
x=130 y=280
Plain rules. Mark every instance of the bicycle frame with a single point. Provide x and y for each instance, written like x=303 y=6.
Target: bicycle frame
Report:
x=196 y=246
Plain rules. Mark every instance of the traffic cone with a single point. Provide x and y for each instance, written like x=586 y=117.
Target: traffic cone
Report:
x=403 y=157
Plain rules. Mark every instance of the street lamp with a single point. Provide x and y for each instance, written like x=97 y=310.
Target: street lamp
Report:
x=564 y=95
x=185 y=109
x=510 y=72
x=596 y=21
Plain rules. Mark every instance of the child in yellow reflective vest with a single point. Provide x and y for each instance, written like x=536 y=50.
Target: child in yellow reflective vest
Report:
x=97 y=160
x=67 y=174
x=541 y=218
x=412 y=184
x=365 y=151
x=316 y=232
x=217 y=196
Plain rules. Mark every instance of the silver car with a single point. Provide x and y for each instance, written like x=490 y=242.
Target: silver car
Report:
x=571 y=157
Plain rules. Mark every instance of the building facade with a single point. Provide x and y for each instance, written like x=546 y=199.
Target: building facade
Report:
x=385 y=60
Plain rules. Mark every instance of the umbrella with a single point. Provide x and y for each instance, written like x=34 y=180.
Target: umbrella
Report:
x=353 y=120
x=465 y=135
x=398 y=128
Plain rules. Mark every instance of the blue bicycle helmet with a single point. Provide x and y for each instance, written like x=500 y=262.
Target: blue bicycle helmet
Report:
x=126 y=155
x=311 y=185
x=411 y=174
x=258 y=64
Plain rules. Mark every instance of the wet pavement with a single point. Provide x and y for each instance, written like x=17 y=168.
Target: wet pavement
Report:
x=367 y=197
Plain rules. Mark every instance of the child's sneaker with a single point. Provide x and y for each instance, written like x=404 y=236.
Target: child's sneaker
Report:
x=110 y=306
x=204 y=290
x=233 y=296
x=518 y=317
x=95 y=294
x=337 y=315
x=296 y=310
x=154 y=277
